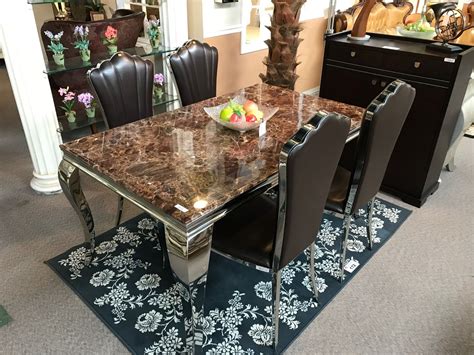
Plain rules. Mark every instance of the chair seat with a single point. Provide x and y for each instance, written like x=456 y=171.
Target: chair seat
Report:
x=248 y=232
x=338 y=192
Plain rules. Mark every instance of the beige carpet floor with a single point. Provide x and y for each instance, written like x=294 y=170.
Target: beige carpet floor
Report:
x=414 y=297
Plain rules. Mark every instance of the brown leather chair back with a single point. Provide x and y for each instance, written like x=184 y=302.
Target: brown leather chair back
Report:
x=381 y=126
x=124 y=87
x=308 y=162
x=194 y=66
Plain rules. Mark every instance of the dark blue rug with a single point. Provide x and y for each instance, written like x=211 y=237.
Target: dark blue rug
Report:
x=130 y=291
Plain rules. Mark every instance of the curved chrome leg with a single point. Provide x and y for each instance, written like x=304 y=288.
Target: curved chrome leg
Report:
x=276 y=283
x=189 y=260
x=370 y=212
x=312 y=273
x=70 y=182
x=118 y=216
x=347 y=225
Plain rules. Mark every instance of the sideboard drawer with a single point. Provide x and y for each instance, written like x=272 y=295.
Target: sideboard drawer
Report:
x=354 y=55
x=428 y=67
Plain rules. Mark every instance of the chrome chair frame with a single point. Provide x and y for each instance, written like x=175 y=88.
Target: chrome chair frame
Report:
x=357 y=175
x=275 y=270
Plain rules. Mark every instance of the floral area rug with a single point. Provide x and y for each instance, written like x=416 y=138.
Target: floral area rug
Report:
x=131 y=291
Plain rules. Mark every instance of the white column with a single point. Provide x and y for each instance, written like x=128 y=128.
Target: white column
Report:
x=25 y=64
x=174 y=17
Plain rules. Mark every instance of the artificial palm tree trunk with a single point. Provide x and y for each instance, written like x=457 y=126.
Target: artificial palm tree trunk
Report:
x=283 y=44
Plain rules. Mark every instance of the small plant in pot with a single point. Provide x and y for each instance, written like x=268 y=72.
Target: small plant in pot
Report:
x=89 y=102
x=153 y=32
x=110 y=39
x=158 y=85
x=56 y=47
x=68 y=99
x=81 y=34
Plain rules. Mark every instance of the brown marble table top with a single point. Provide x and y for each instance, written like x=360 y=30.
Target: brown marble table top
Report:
x=184 y=158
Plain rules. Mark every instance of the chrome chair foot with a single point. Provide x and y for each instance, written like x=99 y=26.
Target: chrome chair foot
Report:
x=312 y=274
x=276 y=283
x=370 y=212
x=347 y=225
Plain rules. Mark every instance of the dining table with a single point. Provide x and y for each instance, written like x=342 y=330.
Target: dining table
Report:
x=187 y=171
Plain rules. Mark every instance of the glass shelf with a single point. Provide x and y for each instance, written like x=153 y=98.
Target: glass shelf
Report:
x=81 y=122
x=165 y=99
x=74 y=63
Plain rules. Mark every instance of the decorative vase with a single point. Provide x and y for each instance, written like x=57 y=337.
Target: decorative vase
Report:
x=158 y=92
x=112 y=49
x=59 y=59
x=85 y=55
x=90 y=112
x=155 y=42
x=71 y=116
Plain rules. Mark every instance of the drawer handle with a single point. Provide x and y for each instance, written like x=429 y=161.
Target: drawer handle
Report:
x=374 y=82
x=417 y=65
x=353 y=54
x=383 y=84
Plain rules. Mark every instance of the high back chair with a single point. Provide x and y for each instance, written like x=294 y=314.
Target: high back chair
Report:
x=194 y=67
x=269 y=233
x=123 y=85
x=380 y=128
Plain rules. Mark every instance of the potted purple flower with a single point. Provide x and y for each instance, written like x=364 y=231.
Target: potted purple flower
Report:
x=56 y=47
x=158 y=85
x=81 y=34
x=69 y=99
x=89 y=102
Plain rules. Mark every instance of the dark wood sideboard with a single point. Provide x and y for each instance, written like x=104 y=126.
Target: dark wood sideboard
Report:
x=355 y=72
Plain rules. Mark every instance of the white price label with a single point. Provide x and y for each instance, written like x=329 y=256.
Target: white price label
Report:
x=351 y=265
x=262 y=129
x=181 y=208
x=450 y=60
x=392 y=48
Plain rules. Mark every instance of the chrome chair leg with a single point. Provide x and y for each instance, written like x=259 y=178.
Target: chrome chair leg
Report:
x=312 y=273
x=118 y=216
x=276 y=281
x=370 y=212
x=347 y=225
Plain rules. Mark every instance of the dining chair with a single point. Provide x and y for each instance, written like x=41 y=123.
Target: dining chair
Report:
x=355 y=187
x=194 y=67
x=123 y=85
x=268 y=233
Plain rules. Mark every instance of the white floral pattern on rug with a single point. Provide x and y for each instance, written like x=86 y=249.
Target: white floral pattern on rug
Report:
x=222 y=328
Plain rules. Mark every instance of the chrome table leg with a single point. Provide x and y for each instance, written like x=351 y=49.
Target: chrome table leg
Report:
x=347 y=225
x=70 y=182
x=276 y=283
x=312 y=273
x=118 y=216
x=189 y=261
x=370 y=212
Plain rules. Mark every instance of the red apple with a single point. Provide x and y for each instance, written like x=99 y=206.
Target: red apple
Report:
x=235 y=118
x=250 y=118
x=250 y=106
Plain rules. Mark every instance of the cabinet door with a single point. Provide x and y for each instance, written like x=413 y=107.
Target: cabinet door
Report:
x=350 y=86
x=412 y=155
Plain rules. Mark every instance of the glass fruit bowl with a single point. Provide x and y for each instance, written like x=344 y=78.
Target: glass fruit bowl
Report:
x=426 y=34
x=241 y=126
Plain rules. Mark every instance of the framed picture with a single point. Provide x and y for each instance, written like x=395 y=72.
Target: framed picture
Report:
x=97 y=16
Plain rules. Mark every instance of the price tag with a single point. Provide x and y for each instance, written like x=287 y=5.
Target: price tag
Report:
x=450 y=60
x=181 y=208
x=351 y=265
x=262 y=129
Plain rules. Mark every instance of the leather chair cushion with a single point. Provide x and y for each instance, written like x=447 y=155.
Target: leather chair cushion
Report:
x=338 y=192
x=248 y=232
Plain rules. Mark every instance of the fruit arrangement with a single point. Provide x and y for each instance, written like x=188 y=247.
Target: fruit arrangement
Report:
x=234 y=112
x=419 y=26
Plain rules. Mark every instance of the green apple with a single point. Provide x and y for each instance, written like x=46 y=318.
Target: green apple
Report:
x=226 y=113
